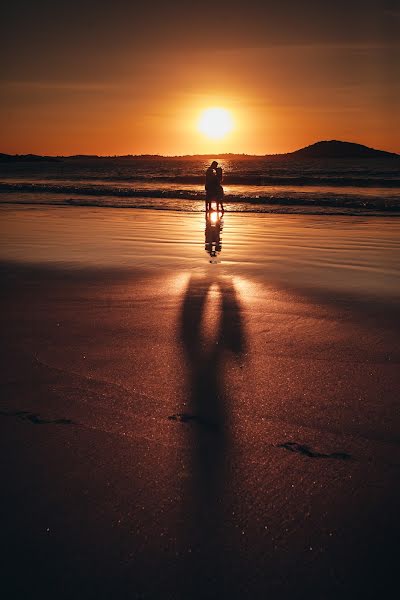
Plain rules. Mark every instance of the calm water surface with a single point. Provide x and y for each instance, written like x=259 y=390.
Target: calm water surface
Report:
x=348 y=253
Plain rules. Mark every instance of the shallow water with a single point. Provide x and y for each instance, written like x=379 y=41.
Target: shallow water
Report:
x=356 y=254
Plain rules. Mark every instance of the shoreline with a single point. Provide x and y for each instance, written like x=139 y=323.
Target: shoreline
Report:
x=301 y=208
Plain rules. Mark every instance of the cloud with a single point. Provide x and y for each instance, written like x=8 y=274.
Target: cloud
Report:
x=46 y=86
x=392 y=13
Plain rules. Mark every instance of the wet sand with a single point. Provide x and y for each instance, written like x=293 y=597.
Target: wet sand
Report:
x=179 y=429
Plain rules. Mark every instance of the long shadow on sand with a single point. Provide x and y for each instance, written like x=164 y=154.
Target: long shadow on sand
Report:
x=207 y=418
x=205 y=358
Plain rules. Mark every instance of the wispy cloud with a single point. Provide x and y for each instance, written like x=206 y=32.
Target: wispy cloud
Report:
x=392 y=12
x=71 y=86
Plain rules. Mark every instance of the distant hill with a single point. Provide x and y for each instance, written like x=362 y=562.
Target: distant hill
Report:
x=337 y=149
x=332 y=149
x=27 y=158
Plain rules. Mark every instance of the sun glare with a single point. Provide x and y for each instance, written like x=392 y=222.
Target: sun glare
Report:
x=215 y=123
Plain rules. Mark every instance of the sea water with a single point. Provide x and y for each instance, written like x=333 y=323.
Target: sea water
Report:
x=251 y=184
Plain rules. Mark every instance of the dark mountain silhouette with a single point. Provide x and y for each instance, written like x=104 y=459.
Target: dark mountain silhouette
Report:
x=27 y=158
x=337 y=149
x=332 y=149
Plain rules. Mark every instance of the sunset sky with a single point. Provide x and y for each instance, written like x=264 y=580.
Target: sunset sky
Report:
x=123 y=77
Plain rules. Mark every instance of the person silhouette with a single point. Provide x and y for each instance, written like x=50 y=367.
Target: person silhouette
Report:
x=212 y=184
x=220 y=190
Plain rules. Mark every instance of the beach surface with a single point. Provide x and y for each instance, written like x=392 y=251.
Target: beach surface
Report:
x=175 y=428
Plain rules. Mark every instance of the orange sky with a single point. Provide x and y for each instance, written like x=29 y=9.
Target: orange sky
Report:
x=72 y=94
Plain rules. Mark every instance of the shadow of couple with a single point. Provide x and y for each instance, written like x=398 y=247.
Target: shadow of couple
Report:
x=209 y=399
x=206 y=357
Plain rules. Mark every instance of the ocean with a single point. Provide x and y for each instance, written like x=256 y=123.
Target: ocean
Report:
x=251 y=184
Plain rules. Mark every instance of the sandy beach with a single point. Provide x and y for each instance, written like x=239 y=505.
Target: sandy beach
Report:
x=173 y=428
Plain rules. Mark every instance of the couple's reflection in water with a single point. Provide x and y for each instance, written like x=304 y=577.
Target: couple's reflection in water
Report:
x=213 y=233
x=209 y=298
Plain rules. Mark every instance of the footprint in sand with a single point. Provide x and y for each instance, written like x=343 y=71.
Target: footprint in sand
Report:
x=307 y=451
x=186 y=418
x=34 y=418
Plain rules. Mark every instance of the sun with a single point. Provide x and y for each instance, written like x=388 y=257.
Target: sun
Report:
x=215 y=123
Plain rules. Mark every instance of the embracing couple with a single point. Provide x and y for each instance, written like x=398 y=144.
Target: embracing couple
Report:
x=214 y=189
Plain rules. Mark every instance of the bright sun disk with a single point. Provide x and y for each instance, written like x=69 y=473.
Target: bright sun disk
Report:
x=215 y=122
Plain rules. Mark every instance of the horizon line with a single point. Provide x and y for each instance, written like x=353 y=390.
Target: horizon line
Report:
x=206 y=154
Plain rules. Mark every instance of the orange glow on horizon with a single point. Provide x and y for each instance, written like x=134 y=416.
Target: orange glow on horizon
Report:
x=274 y=103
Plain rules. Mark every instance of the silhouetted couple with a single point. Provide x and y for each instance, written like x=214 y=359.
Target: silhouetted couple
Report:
x=214 y=189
